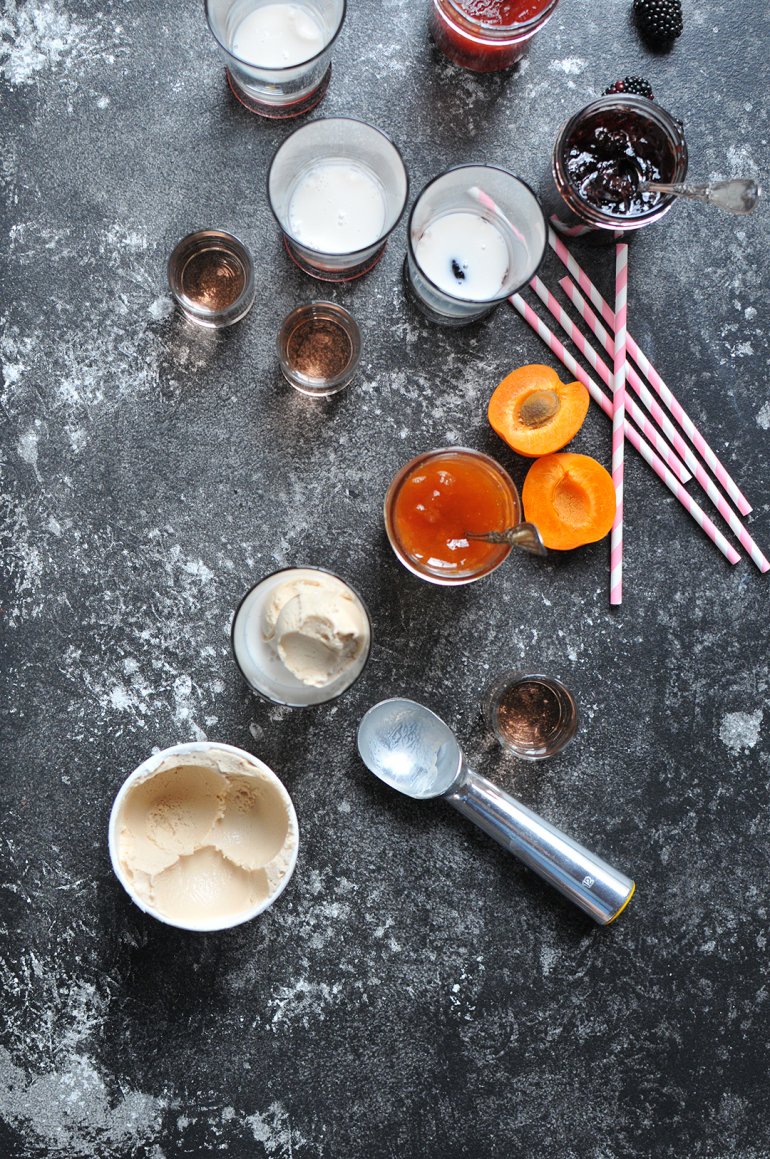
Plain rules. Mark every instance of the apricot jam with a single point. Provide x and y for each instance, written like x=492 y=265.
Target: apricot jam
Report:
x=436 y=501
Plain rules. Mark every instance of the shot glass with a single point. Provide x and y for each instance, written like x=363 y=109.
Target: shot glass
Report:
x=482 y=45
x=600 y=155
x=277 y=54
x=337 y=188
x=476 y=235
x=211 y=278
x=531 y=715
x=436 y=500
x=319 y=348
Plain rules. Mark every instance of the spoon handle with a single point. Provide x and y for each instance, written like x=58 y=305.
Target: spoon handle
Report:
x=738 y=195
x=593 y=885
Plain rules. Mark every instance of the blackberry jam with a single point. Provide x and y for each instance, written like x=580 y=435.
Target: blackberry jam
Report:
x=601 y=157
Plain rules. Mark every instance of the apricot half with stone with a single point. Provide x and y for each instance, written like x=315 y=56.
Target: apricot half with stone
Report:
x=535 y=412
x=570 y=499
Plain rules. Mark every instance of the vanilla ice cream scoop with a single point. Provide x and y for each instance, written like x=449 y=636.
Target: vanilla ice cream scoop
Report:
x=317 y=627
x=301 y=636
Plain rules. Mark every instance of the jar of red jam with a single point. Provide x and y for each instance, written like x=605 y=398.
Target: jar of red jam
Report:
x=601 y=157
x=487 y=35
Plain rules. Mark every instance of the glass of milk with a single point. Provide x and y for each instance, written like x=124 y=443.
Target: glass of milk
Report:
x=277 y=53
x=476 y=235
x=337 y=187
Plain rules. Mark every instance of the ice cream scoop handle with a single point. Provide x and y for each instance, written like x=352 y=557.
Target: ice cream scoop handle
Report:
x=598 y=889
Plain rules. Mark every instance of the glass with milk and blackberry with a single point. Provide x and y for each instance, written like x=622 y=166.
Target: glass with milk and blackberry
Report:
x=476 y=235
x=277 y=54
x=337 y=188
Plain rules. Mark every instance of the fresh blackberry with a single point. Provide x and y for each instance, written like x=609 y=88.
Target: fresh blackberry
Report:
x=659 y=21
x=631 y=84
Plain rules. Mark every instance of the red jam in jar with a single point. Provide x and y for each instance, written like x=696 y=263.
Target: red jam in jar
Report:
x=487 y=35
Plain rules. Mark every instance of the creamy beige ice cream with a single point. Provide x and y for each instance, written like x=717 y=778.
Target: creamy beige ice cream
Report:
x=317 y=627
x=206 y=837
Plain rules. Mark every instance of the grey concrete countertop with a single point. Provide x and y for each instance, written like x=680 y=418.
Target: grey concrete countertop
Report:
x=415 y=992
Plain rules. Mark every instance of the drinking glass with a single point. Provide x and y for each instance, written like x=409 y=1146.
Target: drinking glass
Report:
x=337 y=187
x=277 y=55
x=476 y=235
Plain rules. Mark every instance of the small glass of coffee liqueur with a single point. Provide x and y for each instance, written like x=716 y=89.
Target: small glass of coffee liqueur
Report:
x=319 y=348
x=211 y=277
x=531 y=715
x=601 y=156
x=277 y=53
x=486 y=37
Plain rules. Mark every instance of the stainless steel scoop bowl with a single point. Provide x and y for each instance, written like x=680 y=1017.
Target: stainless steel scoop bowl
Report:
x=411 y=749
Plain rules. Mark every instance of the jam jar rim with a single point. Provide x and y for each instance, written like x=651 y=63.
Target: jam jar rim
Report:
x=497 y=32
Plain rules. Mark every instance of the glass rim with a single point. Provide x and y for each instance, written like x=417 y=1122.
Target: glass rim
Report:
x=283 y=68
x=278 y=571
x=639 y=104
x=343 y=317
x=429 y=280
x=382 y=237
x=510 y=677
x=189 y=305
x=400 y=551
x=499 y=32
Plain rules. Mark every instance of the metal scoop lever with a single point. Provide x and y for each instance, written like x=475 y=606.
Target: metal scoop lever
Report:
x=411 y=749
x=523 y=535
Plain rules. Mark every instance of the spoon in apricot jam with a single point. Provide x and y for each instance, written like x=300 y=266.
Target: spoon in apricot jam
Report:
x=523 y=535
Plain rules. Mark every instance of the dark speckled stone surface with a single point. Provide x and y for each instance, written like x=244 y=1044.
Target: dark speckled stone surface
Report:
x=414 y=993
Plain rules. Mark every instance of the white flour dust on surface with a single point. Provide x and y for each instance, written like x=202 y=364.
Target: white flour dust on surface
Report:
x=763 y=418
x=739 y=731
x=274 y=1131
x=37 y=35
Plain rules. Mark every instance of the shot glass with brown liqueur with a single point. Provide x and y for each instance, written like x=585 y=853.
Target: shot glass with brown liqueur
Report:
x=531 y=715
x=319 y=348
x=601 y=157
x=211 y=278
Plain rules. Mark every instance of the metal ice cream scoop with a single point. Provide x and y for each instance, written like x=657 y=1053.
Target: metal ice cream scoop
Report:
x=411 y=749
x=740 y=195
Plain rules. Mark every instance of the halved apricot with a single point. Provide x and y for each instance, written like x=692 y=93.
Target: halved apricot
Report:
x=535 y=412
x=570 y=499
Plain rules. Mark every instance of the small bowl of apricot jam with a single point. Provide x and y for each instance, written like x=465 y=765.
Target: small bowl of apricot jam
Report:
x=436 y=500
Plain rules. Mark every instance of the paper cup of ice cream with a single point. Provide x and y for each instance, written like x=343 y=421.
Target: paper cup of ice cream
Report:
x=203 y=836
x=301 y=636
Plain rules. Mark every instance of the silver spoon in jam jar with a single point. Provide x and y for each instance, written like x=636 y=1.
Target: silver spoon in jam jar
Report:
x=739 y=195
x=523 y=535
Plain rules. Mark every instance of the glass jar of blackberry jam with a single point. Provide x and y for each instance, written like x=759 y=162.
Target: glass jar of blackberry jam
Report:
x=601 y=157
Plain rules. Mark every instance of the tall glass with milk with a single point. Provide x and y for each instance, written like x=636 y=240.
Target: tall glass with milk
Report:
x=337 y=187
x=476 y=235
x=277 y=53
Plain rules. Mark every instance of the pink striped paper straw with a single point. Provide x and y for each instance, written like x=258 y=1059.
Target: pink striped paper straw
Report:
x=588 y=352
x=716 y=497
x=618 y=421
x=633 y=436
x=646 y=367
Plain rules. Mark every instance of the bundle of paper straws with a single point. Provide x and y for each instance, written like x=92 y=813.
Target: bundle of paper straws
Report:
x=654 y=435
